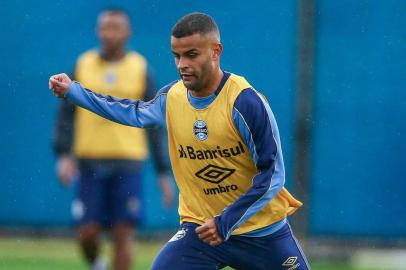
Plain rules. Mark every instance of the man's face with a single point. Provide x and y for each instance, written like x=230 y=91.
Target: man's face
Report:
x=195 y=59
x=113 y=31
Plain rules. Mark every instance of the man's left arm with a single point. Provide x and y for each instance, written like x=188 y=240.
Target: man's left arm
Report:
x=256 y=123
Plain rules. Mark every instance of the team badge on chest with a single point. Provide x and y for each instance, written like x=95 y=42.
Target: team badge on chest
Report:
x=200 y=130
x=110 y=78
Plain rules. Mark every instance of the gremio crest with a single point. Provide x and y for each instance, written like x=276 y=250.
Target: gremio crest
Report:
x=200 y=130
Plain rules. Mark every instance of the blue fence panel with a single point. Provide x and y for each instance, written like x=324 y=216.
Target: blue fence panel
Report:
x=358 y=180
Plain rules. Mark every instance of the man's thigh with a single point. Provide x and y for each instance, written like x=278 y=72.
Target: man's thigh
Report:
x=125 y=197
x=279 y=251
x=186 y=251
x=89 y=205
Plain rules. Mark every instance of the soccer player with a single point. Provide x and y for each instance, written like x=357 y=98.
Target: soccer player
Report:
x=225 y=153
x=109 y=156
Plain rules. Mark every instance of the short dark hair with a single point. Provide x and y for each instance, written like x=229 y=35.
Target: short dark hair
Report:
x=116 y=11
x=194 y=23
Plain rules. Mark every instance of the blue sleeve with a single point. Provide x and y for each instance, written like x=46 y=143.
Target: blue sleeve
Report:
x=128 y=112
x=256 y=123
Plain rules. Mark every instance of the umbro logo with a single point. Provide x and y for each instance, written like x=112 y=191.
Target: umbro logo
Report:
x=214 y=174
x=291 y=263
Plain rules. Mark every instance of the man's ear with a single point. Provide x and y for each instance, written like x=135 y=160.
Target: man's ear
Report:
x=217 y=50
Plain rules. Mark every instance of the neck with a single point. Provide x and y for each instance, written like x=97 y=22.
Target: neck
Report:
x=113 y=55
x=211 y=87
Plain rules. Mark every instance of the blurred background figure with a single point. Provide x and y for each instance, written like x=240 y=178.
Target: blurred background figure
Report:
x=107 y=158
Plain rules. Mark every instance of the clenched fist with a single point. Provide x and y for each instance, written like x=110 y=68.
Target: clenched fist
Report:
x=208 y=233
x=59 y=84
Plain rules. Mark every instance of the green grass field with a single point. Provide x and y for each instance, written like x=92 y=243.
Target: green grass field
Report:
x=63 y=254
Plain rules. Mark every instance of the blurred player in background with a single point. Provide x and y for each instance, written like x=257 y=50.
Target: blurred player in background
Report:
x=225 y=153
x=105 y=156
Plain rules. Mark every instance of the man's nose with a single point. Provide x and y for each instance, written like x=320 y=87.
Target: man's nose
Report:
x=182 y=63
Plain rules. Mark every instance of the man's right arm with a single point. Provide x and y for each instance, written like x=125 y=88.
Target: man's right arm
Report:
x=66 y=167
x=128 y=112
x=63 y=130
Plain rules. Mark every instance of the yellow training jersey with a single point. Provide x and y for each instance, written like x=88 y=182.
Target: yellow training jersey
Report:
x=212 y=164
x=96 y=137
